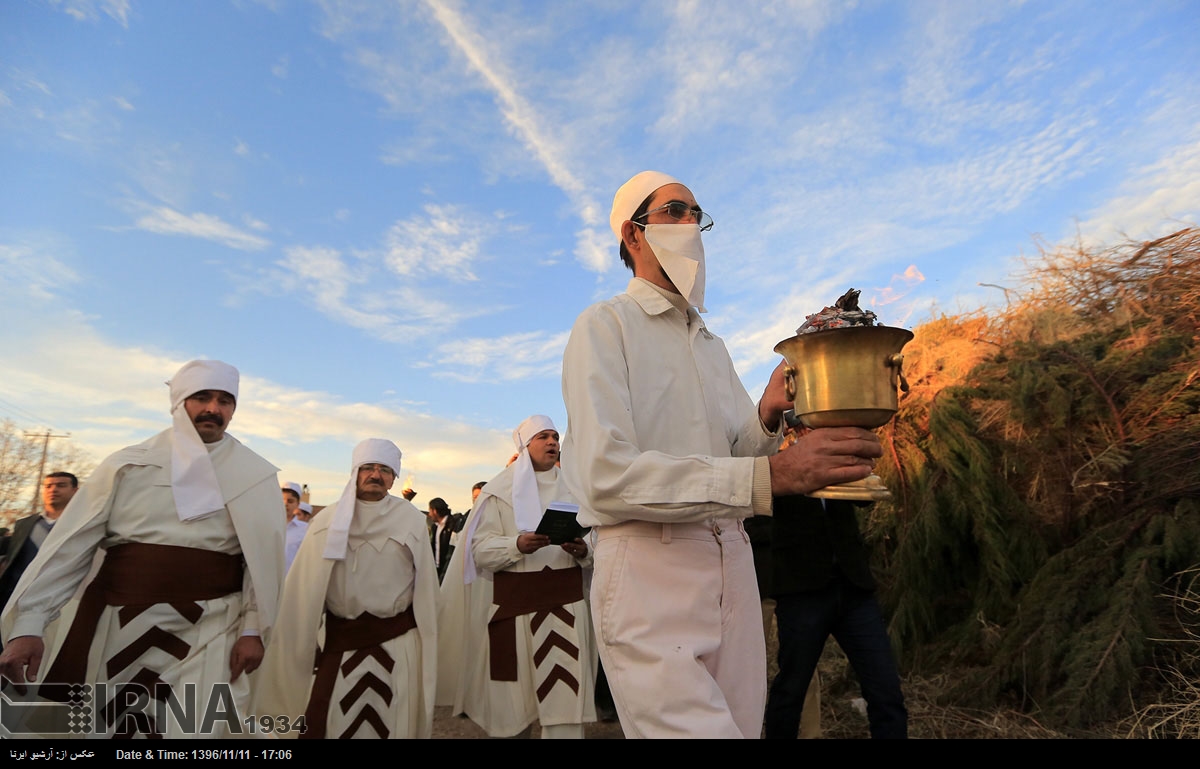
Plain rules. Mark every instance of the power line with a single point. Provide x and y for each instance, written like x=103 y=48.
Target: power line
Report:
x=22 y=413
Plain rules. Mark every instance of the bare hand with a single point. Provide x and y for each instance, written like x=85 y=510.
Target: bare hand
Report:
x=531 y=543
x=774 y=400
x=246 y=656
x=576 y=548
x=21 y=660
x=824 y=457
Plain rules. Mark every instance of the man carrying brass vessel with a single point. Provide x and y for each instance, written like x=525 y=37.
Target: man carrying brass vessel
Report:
x=667 y=454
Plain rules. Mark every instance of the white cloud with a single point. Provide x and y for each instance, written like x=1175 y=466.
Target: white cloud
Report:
x=322 y=273
x=108 y=396
x=255 y=224
x=897 y=289
x=360 y=292
x=445 y=241
x=32 y=270
x=723 y=64
x=89 y=10
x=1157 y=199
x=27 y=81
x=418 y=83
x=413 y=150
x=532 y=354
x=522 y=118
x=123 y=103
x=167 y=221
x=595 y=249
x=240 y=148
x=280 y=68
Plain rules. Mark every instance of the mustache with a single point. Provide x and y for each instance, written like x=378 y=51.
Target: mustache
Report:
x=214 y=418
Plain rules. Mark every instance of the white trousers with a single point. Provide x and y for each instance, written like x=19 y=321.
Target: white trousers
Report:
x=678 y=623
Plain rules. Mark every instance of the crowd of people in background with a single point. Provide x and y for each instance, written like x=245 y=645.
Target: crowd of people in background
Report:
x=619 y=582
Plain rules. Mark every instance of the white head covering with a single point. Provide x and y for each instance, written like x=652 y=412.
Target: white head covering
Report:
x=193 y=480
x=306 y=508
x=632 y=193
x=371 y=451
x=678 y=248
x=293 y=486
x=527 y=508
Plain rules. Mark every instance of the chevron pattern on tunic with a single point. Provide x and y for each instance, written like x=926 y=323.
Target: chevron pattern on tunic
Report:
x=362 y=693
x=149 y=641
x=554 y=656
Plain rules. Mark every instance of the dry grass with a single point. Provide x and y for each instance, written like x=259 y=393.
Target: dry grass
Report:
x=927 y=718
x=1179 y=717
x=930 y=718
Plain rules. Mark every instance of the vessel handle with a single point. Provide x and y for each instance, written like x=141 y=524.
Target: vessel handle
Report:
x=789 y=383
x=894 y=361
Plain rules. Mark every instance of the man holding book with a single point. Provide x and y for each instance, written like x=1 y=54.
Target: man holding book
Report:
x=537 y=660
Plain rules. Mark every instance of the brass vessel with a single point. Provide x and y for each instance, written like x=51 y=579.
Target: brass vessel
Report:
x=846 y=377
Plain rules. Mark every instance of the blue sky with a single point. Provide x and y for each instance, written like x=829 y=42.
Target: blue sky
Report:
x=387 y=215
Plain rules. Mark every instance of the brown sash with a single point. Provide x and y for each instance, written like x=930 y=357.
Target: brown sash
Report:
x=136 y=576
x=515 y=593
x=364 y=634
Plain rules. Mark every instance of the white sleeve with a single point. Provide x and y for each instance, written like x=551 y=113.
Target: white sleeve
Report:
x=491 y=548
x=605 y=467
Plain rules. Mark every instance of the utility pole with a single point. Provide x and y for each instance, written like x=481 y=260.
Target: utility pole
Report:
x=42 y=465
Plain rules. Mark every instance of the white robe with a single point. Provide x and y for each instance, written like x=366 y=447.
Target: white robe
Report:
x=462 y=610
x=505 y=708
x=388 y=566
x=128 y=499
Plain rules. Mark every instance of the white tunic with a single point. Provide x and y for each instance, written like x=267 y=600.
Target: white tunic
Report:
x=388 y=568
x=128 y=499
x=556 y=660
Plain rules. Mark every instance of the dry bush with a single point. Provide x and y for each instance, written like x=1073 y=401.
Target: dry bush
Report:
x=1179 y=716
x=1046 y=487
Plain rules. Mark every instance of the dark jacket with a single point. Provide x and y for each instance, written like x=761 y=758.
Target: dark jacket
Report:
x=810 y=545
x=16 y=553
x=447 y=548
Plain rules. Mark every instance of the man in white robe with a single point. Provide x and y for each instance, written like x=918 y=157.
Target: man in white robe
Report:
x=191 y=525
x=364 y=570
x=536 y=658
x=667 y=453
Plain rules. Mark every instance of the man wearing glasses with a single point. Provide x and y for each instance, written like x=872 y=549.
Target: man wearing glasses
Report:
x=365 y=571
x=667 y=454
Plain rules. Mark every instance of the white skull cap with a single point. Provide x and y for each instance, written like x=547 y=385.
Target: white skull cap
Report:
x=376 y=451
x=194 y=484
x=529 y=428
x=200 y=375
x=368 y=452
x=632 y=193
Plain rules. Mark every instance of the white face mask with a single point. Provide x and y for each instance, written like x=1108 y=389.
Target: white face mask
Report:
x=680 y=252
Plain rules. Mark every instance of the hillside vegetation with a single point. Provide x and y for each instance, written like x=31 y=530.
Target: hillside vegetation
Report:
x=1042 y=544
